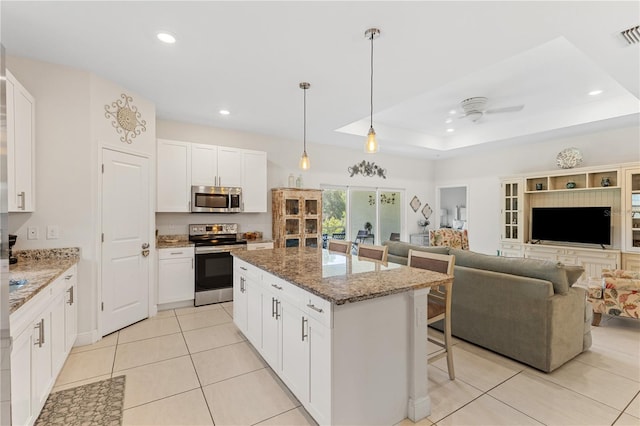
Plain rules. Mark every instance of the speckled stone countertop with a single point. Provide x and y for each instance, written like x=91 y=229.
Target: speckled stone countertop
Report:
x=340 y=278
x=173 y=241
x=39 y=268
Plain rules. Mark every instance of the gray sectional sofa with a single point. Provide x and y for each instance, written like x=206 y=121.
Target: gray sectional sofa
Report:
x=524 y=309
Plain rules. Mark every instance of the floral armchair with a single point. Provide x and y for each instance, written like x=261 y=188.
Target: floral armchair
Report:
x=449 y=237
x=618 y=294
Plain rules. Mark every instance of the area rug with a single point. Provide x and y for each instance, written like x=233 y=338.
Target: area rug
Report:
x=98 y=404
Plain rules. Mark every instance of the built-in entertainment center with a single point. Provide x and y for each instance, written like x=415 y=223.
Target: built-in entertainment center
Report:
x=587 y=216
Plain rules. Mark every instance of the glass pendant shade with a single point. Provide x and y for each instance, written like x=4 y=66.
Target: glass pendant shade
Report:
x=372 y=144
x=305 y=164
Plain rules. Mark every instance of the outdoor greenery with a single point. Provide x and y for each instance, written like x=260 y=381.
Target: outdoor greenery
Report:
x=334 y=211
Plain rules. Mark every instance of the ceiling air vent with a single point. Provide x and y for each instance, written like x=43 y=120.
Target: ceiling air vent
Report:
x=632 y=35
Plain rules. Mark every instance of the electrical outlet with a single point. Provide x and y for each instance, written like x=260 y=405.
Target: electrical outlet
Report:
x=53 y=232
x=32 y=233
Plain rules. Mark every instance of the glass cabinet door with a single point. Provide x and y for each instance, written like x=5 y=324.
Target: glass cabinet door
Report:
x=633 y=211
x=511 y=214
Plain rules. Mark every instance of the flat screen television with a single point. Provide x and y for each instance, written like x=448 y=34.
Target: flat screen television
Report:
x=589 y=225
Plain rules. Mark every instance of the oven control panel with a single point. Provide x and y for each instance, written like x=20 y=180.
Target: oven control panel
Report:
x=213 y=229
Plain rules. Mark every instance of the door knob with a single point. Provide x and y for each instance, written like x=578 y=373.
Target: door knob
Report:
x=145 y=246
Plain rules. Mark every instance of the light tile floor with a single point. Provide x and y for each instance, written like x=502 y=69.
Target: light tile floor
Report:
x=192 y=366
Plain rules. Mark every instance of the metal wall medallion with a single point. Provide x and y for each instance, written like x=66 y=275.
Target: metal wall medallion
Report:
x=125 y=118
x=368 y=169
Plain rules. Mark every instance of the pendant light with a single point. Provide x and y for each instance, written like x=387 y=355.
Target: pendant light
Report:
x=371 y=146
x=304 y=160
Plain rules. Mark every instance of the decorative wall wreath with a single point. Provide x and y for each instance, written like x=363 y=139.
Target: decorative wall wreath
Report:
x=126 y=118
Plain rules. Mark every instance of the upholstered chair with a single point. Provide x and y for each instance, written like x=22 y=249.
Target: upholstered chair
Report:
x=617 y=294
x=449 y=237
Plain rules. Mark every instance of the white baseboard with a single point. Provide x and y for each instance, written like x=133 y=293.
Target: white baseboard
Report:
x=87 y=338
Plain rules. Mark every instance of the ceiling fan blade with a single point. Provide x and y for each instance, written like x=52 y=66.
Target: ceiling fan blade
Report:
x=514 y=108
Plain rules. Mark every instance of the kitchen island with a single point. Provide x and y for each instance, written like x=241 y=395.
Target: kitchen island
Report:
x=348 y=336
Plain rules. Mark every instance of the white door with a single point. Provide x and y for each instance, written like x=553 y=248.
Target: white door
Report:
x=125 y=247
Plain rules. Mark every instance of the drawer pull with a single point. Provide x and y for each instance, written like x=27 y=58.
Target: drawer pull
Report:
x=312 y=306
x=175 y=253
x=243 y=268
x=68 y=277
x=276 y=286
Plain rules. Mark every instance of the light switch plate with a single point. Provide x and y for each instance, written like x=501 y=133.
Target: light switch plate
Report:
x=53 y=232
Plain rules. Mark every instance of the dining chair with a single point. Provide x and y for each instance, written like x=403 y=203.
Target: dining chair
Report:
x=363 y=234
x=340 y=246
x=439 y=300
x=372 y=252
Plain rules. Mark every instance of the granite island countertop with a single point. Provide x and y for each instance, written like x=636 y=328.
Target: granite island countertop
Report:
x=340 y=278
x=39 y=268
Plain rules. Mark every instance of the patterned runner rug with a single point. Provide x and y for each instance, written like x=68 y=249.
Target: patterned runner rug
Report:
x=98 y=404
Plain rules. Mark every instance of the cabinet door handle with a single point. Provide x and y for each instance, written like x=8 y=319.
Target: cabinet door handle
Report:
x=242 y=287
x=191 y=263
x=42 y=331
x=22 y=200
x=312 y=306
x=38 y=327
x=276 y=286
x=70 y=291
x=273 y=309
x=304 y=320
x=277 y=309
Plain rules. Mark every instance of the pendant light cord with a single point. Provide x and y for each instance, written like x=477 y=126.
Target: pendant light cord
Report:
x=371 y=114
x=304 y=126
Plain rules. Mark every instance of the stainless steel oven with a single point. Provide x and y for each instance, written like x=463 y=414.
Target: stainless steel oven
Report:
x=214 y=263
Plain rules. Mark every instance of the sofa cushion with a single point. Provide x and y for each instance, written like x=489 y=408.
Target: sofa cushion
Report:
x=554 y=272
x=574 y=272
x=400 y=249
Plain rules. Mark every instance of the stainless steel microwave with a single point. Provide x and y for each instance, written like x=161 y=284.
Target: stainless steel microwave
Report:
x=216 y=199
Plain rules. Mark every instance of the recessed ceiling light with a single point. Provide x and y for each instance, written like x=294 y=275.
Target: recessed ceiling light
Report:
x=166 y=38
x=449 y=120
x=453 y=111
x=595 y=92
x=450 y=130
x=224 y=112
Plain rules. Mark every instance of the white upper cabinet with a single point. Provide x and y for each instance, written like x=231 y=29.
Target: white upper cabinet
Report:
x=183 y=164
x=254 y=181
x=21 y=140
x=174 y=176
x=204 y=165
x=215 y=165
x=229 y=166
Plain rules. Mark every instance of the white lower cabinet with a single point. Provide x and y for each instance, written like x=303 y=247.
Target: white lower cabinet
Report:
x=43 y=331
x=294 y=339
x=592 y=260
x=175 y=274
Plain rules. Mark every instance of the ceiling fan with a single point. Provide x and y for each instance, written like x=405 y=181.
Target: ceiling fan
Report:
x=475 y=108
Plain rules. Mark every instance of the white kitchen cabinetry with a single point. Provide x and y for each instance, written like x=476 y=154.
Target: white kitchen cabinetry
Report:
x=263 y=245
x=20 y=147
x=70 y=309
x=291 y=329
x=40 y=330
x=254 y=181
x=213 y=165
x=593 y=260
x=173 y=176
x=175 y=274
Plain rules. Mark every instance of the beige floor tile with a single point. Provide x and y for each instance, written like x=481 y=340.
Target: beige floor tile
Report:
x=634 y=407
x=110 y=340
x=149 y=328
x=203 y=319
x=165 y=314
x=189 y=408
x=84 y=365
x=618 y=334
x=203 y=339
x=493 y=356
x=195 y=309
x=602 y=386
x=448 y=395
x=297 y=416
x=475 y=369
x=228 y=308
x=611 y=360
x=627 y=420
x=423 y=422
x=550 y=403
x=228 y=361
x=70 y=385
x=487 y=411
x=140 y=352
x=248 y=399
x=158 y=380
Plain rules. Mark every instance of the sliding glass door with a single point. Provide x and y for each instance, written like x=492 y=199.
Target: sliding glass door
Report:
x=369 y=215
